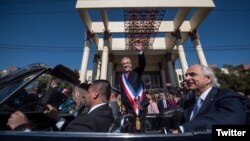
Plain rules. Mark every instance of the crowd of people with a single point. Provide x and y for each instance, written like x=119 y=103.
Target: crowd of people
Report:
x=96 y=105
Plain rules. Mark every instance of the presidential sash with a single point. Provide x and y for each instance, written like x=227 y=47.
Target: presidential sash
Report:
x=135 y=98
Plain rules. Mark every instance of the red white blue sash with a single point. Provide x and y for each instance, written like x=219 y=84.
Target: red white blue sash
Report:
x=134 y=98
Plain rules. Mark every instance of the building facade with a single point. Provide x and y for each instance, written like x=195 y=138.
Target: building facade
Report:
x=162 y=26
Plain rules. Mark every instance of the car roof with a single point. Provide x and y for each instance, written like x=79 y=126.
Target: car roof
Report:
x=22 y=72
x=59 y=71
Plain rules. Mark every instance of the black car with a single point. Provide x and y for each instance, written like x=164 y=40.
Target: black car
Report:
x=25 y=88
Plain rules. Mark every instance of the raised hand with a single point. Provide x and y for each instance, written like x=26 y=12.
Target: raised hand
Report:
x=138 y=46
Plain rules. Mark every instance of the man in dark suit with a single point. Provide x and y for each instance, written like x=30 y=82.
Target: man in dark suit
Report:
x=53 y=96
x=98 y=119
x=133 y=99
x=162 y=103
x=100 y=116
x=209 y=105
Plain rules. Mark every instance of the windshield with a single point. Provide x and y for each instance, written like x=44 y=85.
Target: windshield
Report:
x=32 y=90
x=7 y=91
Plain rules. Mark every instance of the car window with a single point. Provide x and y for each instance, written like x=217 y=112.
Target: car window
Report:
x=7 y=91
x=30 y=89
x=34 y=96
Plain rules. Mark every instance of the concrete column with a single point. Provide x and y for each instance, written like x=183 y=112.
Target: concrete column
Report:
x=113 y=74
x=95 y=66
x=105 y=53
x=181 y=51
x=195 y=39
x=98 y=72
x=85 y=57
x=110 y=69
x=163 y=76
x=175 y=74
x=171 y=70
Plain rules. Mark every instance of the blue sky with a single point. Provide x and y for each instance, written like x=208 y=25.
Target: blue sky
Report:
x=51 y=32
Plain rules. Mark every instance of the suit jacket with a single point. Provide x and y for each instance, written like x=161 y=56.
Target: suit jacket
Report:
x=115 y=108
x=219 y=107
x=160 y=105
x=134 y=78
x=97 y=120
x=54 y=97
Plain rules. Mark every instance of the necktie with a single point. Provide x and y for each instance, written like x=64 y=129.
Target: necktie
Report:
x=198 y=103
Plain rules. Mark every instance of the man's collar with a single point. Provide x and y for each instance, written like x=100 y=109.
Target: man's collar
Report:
x=204 y=94
x=96 y=106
